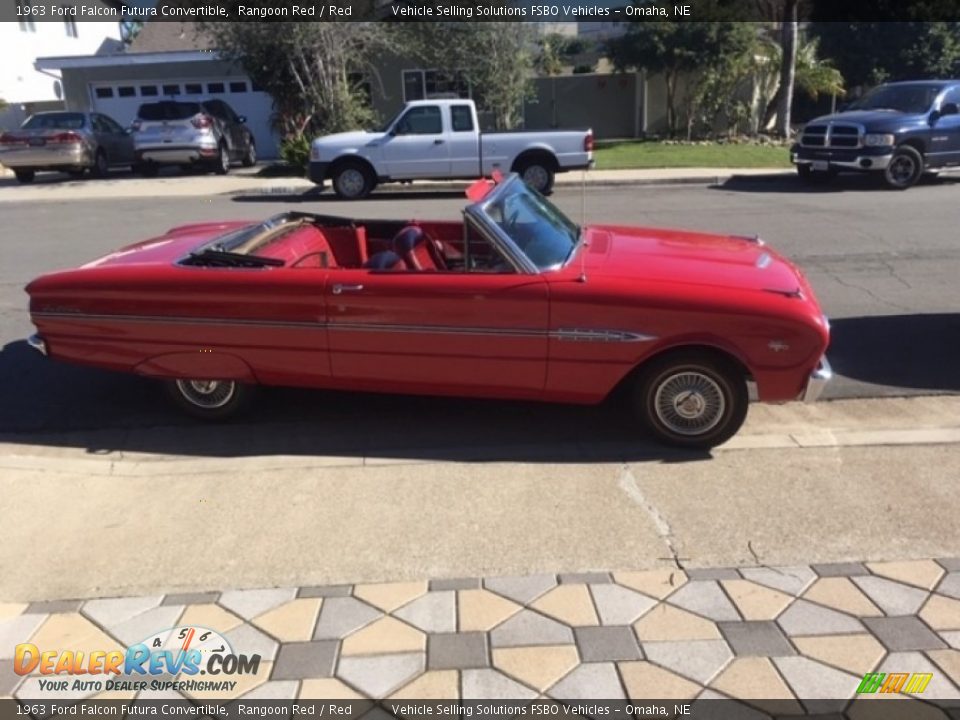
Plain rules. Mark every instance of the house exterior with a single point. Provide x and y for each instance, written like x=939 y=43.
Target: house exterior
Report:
x=27 y=89
x=166 y=60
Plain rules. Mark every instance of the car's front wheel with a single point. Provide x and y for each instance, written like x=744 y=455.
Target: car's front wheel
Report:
x=905 y=168
x=25 y=176
x=209 y=399
x=692 y=399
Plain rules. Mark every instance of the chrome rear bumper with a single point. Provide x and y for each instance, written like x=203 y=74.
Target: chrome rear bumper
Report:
x=817 y=381
x=38 y=344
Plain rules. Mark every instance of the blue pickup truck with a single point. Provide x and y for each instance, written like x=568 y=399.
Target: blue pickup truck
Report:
x=901 y=130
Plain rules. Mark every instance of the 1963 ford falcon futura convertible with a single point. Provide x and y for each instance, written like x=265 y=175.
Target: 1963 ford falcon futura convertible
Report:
x=515 y=301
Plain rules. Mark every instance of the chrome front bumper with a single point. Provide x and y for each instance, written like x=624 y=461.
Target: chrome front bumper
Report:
x=861 y=162
x=38 y=344
x=817 y=381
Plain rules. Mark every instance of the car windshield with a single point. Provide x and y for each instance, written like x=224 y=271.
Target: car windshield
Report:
x=902 y=98
x=168 y=111
x=55 y=121
x=536 y=226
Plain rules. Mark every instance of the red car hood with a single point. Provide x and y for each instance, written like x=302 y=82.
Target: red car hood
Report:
x=690 y=257
x=167 y=248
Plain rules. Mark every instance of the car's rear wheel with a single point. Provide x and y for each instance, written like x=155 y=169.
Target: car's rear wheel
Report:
x=221 y=165
x=209 y=399
x=692 y=399
x=101 y=165
x=353 y=180
x=25 y=176
x=905 y=168
x=537 y=173
x=250 y=157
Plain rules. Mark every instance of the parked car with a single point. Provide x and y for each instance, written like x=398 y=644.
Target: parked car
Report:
x=441 y=139
x=207 y=135
x=514 y=301
x=900 y=131
x=70 y=142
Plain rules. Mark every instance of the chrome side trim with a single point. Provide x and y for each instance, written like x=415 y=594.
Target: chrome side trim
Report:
x=38 y=344
x=587 y=335
x=570 y=334
x=817 y=381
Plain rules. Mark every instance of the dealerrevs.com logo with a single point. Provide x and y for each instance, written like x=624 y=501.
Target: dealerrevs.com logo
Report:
x=182 y=653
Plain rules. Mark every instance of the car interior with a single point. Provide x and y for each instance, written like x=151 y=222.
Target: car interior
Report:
x=377 y=245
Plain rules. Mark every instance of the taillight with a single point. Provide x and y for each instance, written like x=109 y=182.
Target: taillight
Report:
x=65 y=138
x=588 y=141
x=11 y=139
x=202 y=121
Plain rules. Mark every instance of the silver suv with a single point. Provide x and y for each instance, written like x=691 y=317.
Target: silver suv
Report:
x=205 y=134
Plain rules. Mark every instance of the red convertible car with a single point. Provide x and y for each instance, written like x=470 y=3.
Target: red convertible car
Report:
x=514 y=301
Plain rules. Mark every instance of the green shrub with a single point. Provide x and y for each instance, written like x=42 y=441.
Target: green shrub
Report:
x=295 y=151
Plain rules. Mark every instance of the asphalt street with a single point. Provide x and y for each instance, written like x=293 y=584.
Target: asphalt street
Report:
x=319 y=487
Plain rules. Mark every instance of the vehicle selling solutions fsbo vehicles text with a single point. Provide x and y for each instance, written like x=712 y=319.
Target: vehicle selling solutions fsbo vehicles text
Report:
x=312 y=11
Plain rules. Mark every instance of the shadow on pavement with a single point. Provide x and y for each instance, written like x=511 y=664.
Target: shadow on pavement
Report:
x=54 y=404
x=847 y=182
x=908 y=351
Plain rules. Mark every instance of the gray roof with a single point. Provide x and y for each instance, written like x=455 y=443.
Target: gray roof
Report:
x=165 y=36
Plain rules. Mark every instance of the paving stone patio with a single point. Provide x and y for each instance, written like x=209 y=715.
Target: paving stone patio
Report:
x=793 y=635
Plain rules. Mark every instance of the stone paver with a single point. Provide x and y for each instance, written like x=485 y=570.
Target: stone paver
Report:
x=608 y=643
x=772 y=637
x=617 y=605
x=892 y=597
x=458 y=651
x=645 y=680
x=698 y=660
x=537 y=667
x=590 y=681
x=379 y=675
x=806 y=618
x=761 y=638
x=704 y=597
x=306 y=660
x=530 y=628
x=340 y=616
x=903 y=633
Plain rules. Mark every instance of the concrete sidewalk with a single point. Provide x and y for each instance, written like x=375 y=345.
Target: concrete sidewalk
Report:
x=53 y=187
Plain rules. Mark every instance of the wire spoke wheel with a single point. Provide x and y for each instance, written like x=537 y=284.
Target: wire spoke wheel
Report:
x=207 y=394
x=689 y=403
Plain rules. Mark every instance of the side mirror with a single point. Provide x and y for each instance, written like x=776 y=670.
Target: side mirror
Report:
x=242 y=119
x=949 y=109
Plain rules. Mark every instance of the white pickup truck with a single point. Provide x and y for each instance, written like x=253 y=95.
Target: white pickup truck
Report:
x=441 y=139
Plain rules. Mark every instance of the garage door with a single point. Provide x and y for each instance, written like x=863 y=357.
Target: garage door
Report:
x=121 y=100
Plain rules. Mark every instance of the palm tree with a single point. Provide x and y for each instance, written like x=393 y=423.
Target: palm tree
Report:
x=812 y=75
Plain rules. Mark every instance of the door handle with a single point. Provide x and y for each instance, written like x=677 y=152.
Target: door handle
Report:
x=339 y=289
x=439 y=141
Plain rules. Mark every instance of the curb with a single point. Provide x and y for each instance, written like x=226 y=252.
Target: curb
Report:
x=398 y=188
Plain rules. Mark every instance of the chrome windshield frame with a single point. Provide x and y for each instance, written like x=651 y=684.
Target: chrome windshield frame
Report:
x=502 y=241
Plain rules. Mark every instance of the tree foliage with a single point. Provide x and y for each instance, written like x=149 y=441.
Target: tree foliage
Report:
x=314 y=71
x=556 y=51
x=714 y=54
x=869 y=53
x=496 y=59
